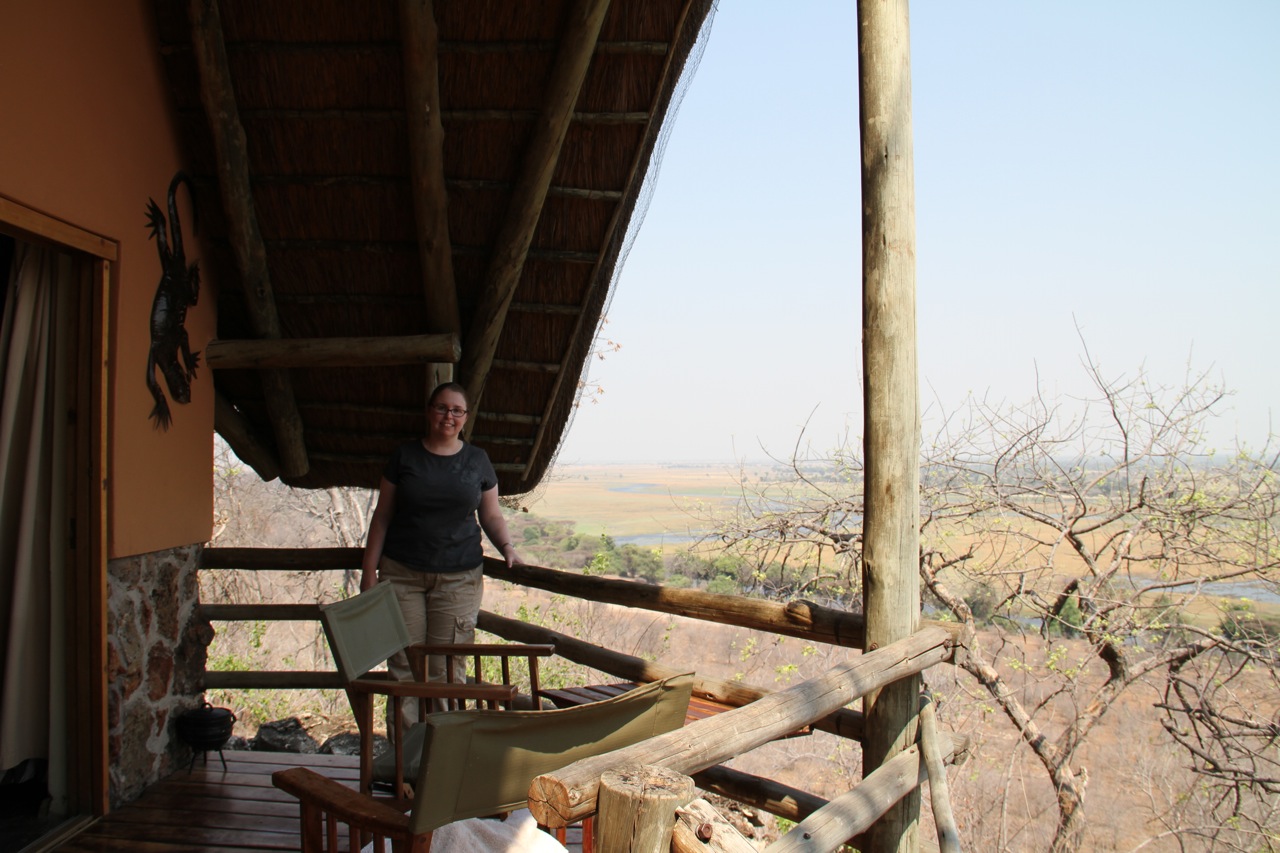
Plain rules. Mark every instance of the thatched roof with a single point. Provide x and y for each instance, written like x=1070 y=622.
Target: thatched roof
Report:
x=358 y=244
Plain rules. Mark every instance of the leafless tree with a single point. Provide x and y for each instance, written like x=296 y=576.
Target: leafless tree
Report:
x=1106 y=523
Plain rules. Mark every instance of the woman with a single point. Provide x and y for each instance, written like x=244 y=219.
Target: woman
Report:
x=424 y=538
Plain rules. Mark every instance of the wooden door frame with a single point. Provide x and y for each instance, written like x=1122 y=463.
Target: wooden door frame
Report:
x=87 y=553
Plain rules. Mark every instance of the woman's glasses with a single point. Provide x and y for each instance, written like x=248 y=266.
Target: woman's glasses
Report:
x=440 y=409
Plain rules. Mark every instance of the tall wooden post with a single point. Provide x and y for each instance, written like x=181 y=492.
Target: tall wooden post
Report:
x=890 y=390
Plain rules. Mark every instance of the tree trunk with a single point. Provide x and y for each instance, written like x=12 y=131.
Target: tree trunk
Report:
x=1069 y=834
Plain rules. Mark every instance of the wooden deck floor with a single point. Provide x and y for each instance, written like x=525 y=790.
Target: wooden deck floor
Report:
x=221 y=812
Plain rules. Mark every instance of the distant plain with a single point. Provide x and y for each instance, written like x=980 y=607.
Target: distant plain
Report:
x=647 y=504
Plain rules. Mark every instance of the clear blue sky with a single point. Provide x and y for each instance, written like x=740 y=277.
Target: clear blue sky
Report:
x=1108 y=165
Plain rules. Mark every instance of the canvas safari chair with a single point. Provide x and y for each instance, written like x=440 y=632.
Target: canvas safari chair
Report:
x=368 y=628
x=481 y=763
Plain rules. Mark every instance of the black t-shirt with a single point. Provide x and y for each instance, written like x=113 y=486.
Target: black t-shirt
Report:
x=434 y=527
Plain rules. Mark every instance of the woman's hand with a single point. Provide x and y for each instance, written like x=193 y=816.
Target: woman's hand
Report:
x=377 y=534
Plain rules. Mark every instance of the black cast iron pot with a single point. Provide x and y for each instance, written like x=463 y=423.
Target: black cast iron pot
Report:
x=206 y=728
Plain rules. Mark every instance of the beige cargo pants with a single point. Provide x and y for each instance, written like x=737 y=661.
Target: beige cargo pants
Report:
x=438 y=607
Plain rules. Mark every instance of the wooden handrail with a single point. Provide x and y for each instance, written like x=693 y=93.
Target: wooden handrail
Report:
x=801 y=619
x=759 y=615
x=569 y=794
x=261 y=612
x=845 y=722
x=272 y=680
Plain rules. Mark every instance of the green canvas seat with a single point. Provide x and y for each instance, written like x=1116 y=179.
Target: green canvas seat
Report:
x=475 y=763
x=366 y=629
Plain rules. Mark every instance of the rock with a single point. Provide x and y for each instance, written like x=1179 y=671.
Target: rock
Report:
x=236 y=742
x=284 y=736
x=348 y=743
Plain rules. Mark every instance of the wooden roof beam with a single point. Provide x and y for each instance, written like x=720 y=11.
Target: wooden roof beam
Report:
x=398 y=411
x=507 y=115
x=239 y=434
x=528 y=366
x=421 y=43
x=451 y=184
x=560 y=256
x=545 y=308
x=558 y=387
x=641 y=48
x=332 y=352
x=576 y=49
x=632 y=117
x=218 y=97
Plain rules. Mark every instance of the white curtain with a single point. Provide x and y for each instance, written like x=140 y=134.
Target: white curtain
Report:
x=34 y=383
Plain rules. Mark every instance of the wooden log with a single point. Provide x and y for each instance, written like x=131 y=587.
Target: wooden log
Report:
x=560 y=191
x=527 y=366
x=508 y=116
x=623 y=666
x=700 y=828
x=511 y=248
x=282 y=559
x=419 y=38
x=261 y=612
x=793 y=619
x=939 y=792
x=569 y=794
x=891 y=545
x=765 y=794
x=272 y=680
x=241 y=438
x=638 y=808
x=545 y=308
x=332 y=352
x=853 y=813
x=574 y=355
x=844 y=722
x=219 y=100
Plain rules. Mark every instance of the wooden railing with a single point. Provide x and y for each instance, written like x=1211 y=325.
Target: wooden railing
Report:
x=759 y=716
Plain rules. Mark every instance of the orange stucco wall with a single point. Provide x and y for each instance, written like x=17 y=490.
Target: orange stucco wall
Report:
x=86 y=137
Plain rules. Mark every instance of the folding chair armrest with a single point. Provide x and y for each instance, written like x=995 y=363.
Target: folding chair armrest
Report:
x=351 y=807
x=507 y=650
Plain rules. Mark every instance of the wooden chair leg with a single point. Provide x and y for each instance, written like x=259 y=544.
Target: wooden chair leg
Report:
x=588 y=835
x=311 y=830
x=413 y=844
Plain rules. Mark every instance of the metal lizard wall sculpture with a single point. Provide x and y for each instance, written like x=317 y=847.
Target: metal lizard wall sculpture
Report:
x=179 y=289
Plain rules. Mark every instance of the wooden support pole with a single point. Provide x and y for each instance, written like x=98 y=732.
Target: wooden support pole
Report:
x=853 y=813
x=420 y=43
x=638 y=808
x=219 y=100
x=891 y=391
x=331 y=352
x=569 y=794
x=939 y=792
x=512 y=246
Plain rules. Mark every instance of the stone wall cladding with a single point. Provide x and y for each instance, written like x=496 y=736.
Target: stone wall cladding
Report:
x=157 y=643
